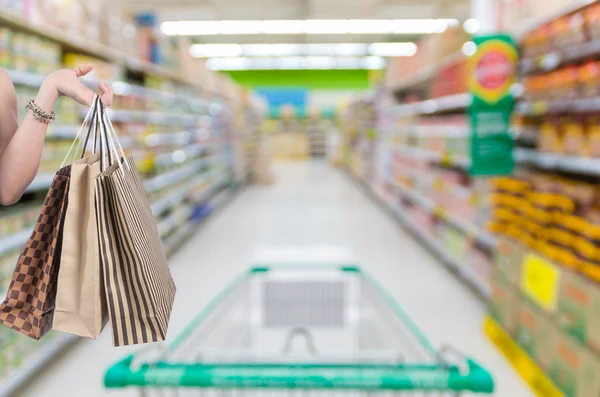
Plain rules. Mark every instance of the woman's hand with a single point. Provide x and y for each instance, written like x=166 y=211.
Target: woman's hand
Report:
x=65 y=82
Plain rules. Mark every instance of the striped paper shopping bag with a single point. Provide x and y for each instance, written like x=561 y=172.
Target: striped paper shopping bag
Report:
x=139 y=288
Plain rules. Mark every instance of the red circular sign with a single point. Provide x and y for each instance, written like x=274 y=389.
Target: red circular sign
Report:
x=493 y=70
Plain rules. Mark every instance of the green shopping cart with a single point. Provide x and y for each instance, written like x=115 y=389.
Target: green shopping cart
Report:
x=309 y=330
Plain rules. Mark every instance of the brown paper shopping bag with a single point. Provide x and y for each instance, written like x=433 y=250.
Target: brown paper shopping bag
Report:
x=80 y=299
x=29 y=304
x=139 y=288
x=80 y=304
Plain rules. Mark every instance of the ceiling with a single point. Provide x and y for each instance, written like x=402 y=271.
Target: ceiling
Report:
x=299 y=9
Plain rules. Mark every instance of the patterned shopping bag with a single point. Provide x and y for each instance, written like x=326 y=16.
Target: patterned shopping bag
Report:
x=29 y=304
x=139 y=288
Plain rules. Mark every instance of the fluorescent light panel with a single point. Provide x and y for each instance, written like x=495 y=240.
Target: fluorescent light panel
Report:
x=307 y=62
x=278 y=50
x=308 y=26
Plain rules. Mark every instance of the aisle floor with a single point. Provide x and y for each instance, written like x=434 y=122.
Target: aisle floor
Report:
x=311 y=204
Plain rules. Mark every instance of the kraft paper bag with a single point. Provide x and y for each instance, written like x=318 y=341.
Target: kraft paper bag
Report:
x=139 y=288
x=80 y=301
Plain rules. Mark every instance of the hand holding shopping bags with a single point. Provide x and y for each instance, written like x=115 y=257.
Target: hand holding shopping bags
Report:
x=113 y=258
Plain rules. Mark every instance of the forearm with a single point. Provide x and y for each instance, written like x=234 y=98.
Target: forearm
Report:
x=20 y=160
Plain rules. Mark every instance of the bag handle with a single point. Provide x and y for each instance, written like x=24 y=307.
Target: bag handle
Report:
x=91 y=112
x=109 y=134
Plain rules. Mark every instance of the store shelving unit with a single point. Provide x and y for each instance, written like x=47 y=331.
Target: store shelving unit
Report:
x=185 y=155
x=420 y=158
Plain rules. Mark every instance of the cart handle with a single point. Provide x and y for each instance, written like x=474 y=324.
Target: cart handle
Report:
x=299 y=331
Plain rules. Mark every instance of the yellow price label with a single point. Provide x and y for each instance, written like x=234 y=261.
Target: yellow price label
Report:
x=474 y=200
x=540 y=281
x=440 y=213
x=446 y=159
x=540 y=107
x=438 y=184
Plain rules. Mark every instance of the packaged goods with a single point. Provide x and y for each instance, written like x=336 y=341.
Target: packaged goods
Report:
x=589 y=79
x=550 y=139
x=573 y=367
x=504 y=303
x=535 y=333
x=575 y=305
x=574 y=137
x=509 y=259
x=592 y=21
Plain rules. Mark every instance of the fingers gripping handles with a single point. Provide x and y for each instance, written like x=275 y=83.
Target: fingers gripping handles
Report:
x=97 y=130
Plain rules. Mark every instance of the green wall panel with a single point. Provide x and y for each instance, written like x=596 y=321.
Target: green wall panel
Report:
x=309 y=79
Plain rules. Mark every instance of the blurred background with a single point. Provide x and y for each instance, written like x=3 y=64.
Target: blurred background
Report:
x=449 y=148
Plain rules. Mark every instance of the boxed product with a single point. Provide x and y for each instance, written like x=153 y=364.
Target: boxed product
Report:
x=593 y=321
x=509 y=259
x=575 y=304
x=535 y=333
x=574 y=368
x=504 y=303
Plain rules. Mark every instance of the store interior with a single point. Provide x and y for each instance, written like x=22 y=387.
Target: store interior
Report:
x=405 y=192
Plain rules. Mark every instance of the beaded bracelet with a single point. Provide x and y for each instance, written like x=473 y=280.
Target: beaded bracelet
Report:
x=39 y=114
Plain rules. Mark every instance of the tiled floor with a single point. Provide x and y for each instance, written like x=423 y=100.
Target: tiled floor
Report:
x=310 y=205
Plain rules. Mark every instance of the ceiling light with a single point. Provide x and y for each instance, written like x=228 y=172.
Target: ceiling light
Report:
x=239 y=63
x=291 y=63
x=393 y=49
x=215 y=50
x=469 y=48
x=349 y=63
x=272 y=49
x=319 y=62
x=374 y=63
x=282 y=27
x=310 y=26
x=471 y=26
x=350 y=49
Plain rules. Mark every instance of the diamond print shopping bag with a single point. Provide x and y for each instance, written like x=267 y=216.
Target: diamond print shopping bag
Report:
x=29 y=304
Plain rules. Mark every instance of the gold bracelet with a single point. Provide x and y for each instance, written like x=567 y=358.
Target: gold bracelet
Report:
x=39 y=114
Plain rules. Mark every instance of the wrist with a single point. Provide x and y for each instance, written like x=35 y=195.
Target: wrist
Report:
x=46 y=97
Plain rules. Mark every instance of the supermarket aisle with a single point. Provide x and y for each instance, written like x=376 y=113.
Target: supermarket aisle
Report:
x=311 y=204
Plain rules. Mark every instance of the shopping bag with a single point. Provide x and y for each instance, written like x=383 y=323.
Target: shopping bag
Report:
x=29 y=304
x=80 y=298
x=139 y=288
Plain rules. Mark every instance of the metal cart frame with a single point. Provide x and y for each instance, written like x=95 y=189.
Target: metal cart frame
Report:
x=389 y=353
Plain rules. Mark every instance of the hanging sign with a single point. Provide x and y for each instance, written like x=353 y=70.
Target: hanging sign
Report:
x=492 y=71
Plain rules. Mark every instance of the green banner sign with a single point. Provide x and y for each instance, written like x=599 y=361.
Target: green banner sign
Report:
x=492 y=72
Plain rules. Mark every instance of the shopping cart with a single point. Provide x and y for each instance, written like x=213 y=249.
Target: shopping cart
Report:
x=301 y=331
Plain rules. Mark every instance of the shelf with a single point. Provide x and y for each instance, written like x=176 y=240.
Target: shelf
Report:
x=14 y=242
x=436 y=130
x=540 y=19
x=180 y=156
x=554 y=59
x=439 y=212
x=169 y=138
x=553 y=106
x=433 y=106
x=36 y=361
x=168 y=178
x=426 y=74
x=466 y=273
x=551 y=161
x=141 y=116
x=523 y=364
x=448 y=160
x=41 y=182
x=163 y=204
x=87 y=46
x=167 y=224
